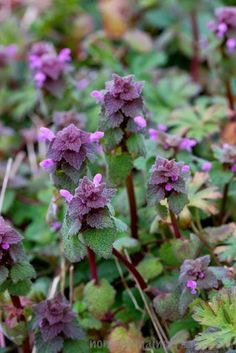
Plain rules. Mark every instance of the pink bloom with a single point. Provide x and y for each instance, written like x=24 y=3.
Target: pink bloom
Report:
x=40 y=78
x=206 y=166
x=66 y=195
x=233 y=168
x=46 y=134
x=153 y=134
x=221 y=30
x=97 y=179
x=5 y=246
x=97 y=95
x=96 y=136
x=162 y=127
x=231 y=45
x=168 y=187
x=192 y=285
x=140 y=122
x=185 y=168
x=187 y=144
x=48 y=165
x=65 y=55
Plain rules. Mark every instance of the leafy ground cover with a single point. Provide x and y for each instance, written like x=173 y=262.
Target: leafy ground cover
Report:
x=117 y=170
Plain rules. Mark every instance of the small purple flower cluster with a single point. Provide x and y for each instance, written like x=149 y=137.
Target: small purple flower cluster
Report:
x=167 y=176
x=65 y=118
x=69 y=149
x=196 y=274
x=122 y=104
x=10 y=241
x=48 y=66
x=224 y=26
x=55 y=318
x=7 y=53
x=89 y=204
x=168 y=141
x=227 y=156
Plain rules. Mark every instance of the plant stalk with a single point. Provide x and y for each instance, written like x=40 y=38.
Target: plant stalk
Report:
x=223 y=203
x=132 y=205
x=92 y=265
x=131 y=269
x=17 y=304
x=175 y=225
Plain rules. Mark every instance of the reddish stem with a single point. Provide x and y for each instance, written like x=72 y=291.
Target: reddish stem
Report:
x=229 y=95
x=223 y=203
x=132 y=205
x=175 y=225
x=133 y=271
x=17 y=304
x=92 y=265
x=195 y=46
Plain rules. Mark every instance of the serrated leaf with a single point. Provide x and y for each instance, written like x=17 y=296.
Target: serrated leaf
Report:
x=71 y=346
x=22 y=271
x=70 y=226
x=100 y=240
x=19 y=288
x=135 y=144
x=53 y=346
x=177 y=201
x=112 y=138
x=3 y=274
x=119 y=167
x=74 y=249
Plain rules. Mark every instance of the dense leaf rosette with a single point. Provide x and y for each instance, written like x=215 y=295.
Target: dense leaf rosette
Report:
x=55 y=322
x=9 y=243
x=168 y=180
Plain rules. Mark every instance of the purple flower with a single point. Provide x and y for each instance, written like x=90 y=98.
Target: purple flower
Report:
x=166 y=176
x=96 y=136
x=233 y=168
x=9 y=242
x=55 y=318
x=206 y=166
x=7 y=53
x=185 y=168
x=226 y=18
x=162 y=127
x=187 y=144
x=90 y=200
x=153 y=134
x=48 y=164
x=192 y=285
x=66 y=195
x=47 y=66
x=140 y=122
x=70 y=148
x=122 y=103
x=97 y=95
x=198 y=271
x=231 y=45
x=45 y=134
x=65 y=55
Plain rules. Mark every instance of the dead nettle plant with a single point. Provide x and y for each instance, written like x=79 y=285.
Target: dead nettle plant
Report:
x=90 y=226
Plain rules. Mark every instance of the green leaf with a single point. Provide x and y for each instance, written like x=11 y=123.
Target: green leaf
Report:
x=3 y=274
x=177 y=201
x=22 y=271
x=218 y=316
x=19 y=288
x=119 y=167
x=71 y=346
x=53 y=346
x=135 y=144
x=74 y=249
x=150 y=268
x=112 y=137
x=100 y=240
